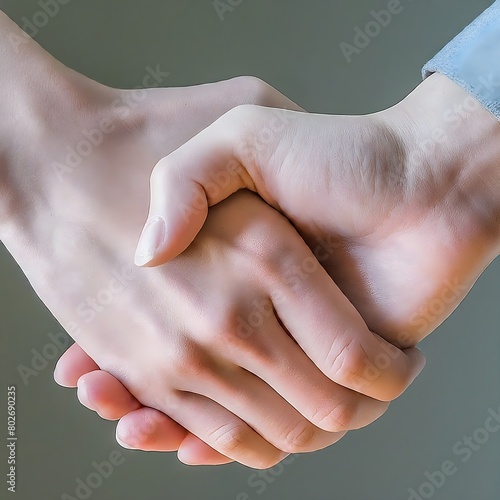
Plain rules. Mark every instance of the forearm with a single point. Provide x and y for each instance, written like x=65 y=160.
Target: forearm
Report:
x=24 y=66
x=39 y=94
x=27 y=74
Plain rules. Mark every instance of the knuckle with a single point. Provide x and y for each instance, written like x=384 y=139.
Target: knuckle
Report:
x=158 y=172
x=398 y=385
x=231 y=438
x=189 y=362
x=347 y=363
x=286 y=263
x=242 y=330
x=284 y=271
x=224 y=325
x=245 y=130
x=300 y=438
x=337 y=419
x=253 y=90
x=224 y=329
x=240 y=118
x=278 y=259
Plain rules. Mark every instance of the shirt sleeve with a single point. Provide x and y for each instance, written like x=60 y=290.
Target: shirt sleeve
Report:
x=472 y=59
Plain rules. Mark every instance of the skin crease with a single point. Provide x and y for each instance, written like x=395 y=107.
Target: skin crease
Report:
x=170 y=335
x=409 y=197
x=396 y=203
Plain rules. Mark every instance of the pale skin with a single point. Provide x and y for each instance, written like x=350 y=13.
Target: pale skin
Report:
x=410 y=195
x=385 y=190
x=296 y=381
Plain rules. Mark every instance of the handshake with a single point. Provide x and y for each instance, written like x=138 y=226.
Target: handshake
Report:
x=289 y=265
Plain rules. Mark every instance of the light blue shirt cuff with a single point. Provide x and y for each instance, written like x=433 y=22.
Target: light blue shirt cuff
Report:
x=472 y=59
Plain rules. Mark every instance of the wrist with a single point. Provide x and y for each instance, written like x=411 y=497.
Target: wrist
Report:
x=452 y=152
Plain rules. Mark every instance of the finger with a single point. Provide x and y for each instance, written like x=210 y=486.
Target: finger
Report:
x=201 y=173
x=147 y=429
x=140 y=427
x=74 y=363
x=265 y=411
x=193 y=451
x=281 y=363
x=103 y=393
x=223 y=431
x=332 y=333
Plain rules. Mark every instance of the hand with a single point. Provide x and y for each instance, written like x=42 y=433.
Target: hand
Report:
x=199 y=368
x=62 y=216
x=139 y=427
x=400 y=207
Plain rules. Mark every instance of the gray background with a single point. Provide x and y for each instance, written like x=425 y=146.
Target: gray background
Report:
x=293 y=45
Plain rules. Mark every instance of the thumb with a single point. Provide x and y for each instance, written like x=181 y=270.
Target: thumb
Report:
x=201 y=173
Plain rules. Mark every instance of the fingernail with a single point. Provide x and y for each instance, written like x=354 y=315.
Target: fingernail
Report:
x=152 y=237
